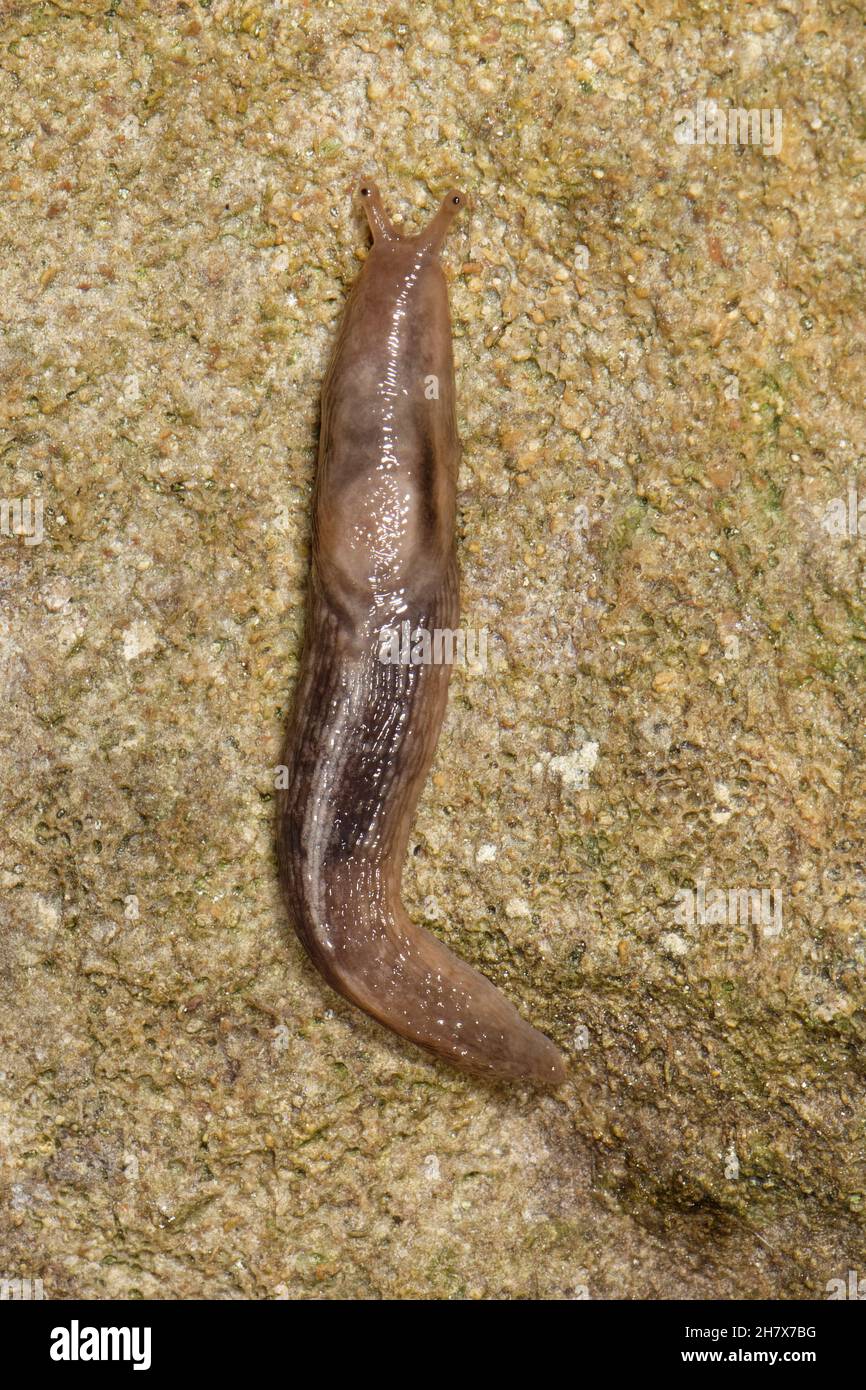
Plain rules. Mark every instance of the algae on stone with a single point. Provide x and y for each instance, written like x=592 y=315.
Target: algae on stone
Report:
x=660 y=389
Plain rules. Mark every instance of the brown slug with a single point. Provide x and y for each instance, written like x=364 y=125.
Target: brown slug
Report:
x=364 y=731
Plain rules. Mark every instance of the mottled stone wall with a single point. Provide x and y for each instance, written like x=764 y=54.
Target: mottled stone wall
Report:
x=660 y=366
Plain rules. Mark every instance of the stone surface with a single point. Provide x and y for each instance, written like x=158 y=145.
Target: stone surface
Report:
x=661 y=377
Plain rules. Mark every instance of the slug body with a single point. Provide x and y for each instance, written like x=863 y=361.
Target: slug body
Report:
x=364 y=731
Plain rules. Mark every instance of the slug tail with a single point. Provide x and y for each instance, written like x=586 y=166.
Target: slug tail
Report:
x=358 y=753
x=410 y=981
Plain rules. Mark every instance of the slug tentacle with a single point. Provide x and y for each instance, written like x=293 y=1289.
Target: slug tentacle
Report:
x=365 y=728
x=436 y=231
x=381 y=225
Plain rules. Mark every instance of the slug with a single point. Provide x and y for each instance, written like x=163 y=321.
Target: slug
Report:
x=364 y=731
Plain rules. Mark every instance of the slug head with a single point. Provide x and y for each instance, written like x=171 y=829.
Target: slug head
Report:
x=383 y=229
